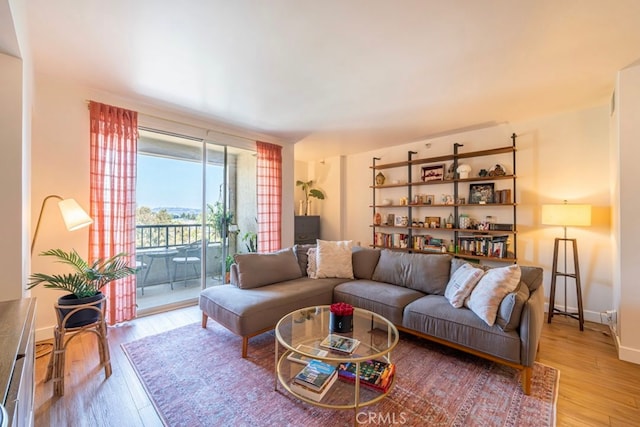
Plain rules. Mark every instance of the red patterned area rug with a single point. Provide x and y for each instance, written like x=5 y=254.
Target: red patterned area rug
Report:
x=196 y=377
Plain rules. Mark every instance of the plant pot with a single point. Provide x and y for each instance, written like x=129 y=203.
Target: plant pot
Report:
x=82 y=317
x=340 y=324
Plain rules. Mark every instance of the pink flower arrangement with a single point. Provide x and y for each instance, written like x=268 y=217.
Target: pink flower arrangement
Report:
x=341 y=309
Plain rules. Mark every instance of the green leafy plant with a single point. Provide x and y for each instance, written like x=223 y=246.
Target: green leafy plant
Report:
x=86 y=280
x=228 y=261
x=217 y=217
x=250 y=240
x=309 y=191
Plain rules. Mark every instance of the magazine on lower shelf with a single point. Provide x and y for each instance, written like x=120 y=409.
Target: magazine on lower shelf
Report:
x=375 y=374
x=339 y=343
x=298 y=358
x=315 y=375
x=316 y=396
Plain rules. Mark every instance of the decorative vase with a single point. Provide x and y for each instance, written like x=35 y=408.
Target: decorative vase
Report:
x=82 y=317
x=308 y=212
x=301 y=208
x=341 y=324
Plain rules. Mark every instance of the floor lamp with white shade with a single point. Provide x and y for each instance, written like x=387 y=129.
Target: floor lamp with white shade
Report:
x=566 y=215
x=74 y=218
x=73 y=215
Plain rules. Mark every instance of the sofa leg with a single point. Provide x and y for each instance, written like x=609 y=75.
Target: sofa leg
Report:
x=204 y=320
x=527 y=373
x=245 y=345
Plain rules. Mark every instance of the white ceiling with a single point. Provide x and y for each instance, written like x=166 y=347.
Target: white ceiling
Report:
x=342 y=76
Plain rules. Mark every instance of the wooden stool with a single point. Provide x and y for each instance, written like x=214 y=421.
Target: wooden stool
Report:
x=575 y=275
x=64 y=335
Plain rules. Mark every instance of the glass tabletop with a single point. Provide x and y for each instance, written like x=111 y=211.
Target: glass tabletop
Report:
x=304 y=330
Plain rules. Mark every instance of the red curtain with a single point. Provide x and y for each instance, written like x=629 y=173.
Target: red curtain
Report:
x=269 y=185
x=114 y=138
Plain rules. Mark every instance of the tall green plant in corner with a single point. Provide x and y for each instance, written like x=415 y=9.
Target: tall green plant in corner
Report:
x=309 y=191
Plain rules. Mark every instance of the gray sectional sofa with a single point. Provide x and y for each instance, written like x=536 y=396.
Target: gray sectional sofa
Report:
x=408 y=289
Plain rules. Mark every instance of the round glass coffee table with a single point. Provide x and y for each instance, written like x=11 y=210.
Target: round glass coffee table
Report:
x=301 y=334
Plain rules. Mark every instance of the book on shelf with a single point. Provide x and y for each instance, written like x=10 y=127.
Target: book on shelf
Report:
x=298 y=358
x=314 y=395
x=374 y=374
x=315 y=375
x=340 y=343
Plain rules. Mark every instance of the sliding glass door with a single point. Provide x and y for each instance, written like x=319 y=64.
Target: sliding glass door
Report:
x=188 y=215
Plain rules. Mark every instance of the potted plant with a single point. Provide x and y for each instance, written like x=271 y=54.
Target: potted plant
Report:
x=227 y=269
x=84 y=284
x=309 y=192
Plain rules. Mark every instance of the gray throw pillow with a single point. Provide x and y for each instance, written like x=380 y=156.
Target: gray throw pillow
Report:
x=301 y=252
x=255 y=270
x=532 y=277
x=364 y=262
x=510 y=310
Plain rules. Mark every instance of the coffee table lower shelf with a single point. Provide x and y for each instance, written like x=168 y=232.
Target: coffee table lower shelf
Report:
x=342 y=395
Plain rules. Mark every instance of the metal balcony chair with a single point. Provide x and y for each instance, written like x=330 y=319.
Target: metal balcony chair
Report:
x=187 y=256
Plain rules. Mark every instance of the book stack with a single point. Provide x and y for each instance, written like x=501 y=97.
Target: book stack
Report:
x=374 y=374
x=314 y=380
x=484 y=245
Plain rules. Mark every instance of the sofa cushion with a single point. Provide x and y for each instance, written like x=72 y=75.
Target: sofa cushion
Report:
x=510 y=309
x=491 y=289
x=255 y=270
x=462 y=282
x=333 y=259
x=433 y=315
x=302 y=255
x=428 y=273
x=364 y=262
x=382 y=298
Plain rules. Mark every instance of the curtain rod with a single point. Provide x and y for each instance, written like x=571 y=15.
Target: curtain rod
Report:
x=87 y=101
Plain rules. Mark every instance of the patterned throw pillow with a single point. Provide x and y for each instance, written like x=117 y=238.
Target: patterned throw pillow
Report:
x=490 y=291
x=311 y=263
x=333 y=259
x=462 y=283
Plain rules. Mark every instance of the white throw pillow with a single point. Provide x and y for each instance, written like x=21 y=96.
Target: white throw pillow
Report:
x=311 y=264
x=333 y=259
x=462 y=282
x=491 y=289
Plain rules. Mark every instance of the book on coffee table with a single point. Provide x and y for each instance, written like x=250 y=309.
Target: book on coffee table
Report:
x=316 y=396
x=298 y=358
x=340 y=343
x=375 y=374
x=316 y=375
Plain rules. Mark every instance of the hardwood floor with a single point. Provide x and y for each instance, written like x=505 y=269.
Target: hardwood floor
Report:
x=596 y=389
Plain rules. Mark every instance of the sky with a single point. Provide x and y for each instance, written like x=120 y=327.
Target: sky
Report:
x=165 y=182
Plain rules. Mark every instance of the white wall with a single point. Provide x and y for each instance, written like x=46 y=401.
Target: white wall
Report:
x=60 y=165
x=559 y=157
x=12 y=279
x=628 y=212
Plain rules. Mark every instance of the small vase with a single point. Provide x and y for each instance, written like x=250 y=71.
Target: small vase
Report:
x=308 y=212
x=301 y=208
x=340 y=324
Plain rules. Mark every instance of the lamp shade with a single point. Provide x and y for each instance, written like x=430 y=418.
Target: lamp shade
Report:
x=566 y=215
x=74 y=216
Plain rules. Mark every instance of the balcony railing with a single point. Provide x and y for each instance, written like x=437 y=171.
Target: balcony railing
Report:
x=172 y=235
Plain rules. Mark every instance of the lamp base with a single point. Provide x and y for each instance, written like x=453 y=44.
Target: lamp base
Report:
x=579 y=315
